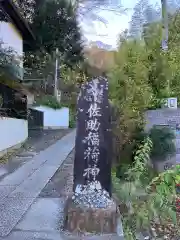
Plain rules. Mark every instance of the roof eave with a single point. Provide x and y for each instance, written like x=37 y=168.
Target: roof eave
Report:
x=21 y=24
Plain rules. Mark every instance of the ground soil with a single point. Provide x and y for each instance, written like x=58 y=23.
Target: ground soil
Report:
x=39 y=140
x=61 y=183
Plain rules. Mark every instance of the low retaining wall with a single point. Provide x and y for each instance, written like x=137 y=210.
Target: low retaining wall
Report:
x=54 y=119
x=13 y=132
x=169 y=117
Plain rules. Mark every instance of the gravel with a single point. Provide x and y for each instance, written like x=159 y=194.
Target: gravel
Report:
x=61 y=183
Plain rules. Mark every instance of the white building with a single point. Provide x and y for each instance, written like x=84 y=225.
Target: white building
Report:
x=15 y=34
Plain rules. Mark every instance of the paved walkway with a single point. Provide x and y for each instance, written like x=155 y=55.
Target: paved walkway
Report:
x=20 y=189
x=32 y=198
x=38 y=140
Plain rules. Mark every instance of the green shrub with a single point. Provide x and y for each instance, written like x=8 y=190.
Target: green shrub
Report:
x=72 y=118
x=130 y=95
x=150 y=200
x=121 y=171
x=163 y=142
x=49 y=101
x=128 y=154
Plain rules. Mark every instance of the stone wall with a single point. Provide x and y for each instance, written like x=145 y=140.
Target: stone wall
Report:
x=166 y=117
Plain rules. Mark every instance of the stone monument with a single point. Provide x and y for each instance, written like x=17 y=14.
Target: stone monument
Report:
x=91 y=208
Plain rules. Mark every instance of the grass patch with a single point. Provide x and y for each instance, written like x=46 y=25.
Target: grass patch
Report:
x=10 y=153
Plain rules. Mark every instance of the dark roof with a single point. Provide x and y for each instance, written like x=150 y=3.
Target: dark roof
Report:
x=11 y=10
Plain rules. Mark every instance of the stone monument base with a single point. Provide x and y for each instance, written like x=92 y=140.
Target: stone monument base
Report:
x=81 y=219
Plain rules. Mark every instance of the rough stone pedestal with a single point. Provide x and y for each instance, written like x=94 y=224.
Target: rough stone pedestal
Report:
x=92 y=220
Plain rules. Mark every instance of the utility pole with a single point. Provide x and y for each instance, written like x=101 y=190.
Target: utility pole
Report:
x=164 y=25
x=165 y=32
x=56 y=73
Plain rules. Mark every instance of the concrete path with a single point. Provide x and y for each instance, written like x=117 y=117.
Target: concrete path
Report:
x=19 y=190
x=38 y=140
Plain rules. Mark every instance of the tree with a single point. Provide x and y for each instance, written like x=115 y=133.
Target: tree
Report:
x=27 y=8
x=99 y=58
x=55 y=26
x=159 y=70
x=143 y=13
x=130 y=94
x=114 y=5
x=88 y=11
x=123 y=36
x=8 y=62
x=143 y=61
x=173 y=6
x=163 y=67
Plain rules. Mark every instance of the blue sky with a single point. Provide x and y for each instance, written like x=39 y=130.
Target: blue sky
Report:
x=116 y=24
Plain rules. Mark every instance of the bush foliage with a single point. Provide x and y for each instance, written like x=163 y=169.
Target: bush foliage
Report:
x=163 y=139
x=151 y=197
x=142 y=76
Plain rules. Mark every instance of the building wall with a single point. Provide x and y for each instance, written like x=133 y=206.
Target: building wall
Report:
x=54 y=118
x=12 y=38
x=12 y=132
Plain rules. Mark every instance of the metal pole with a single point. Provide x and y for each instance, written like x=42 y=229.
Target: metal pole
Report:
x=164 y=25
x=165 y=32
x=56 y=74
